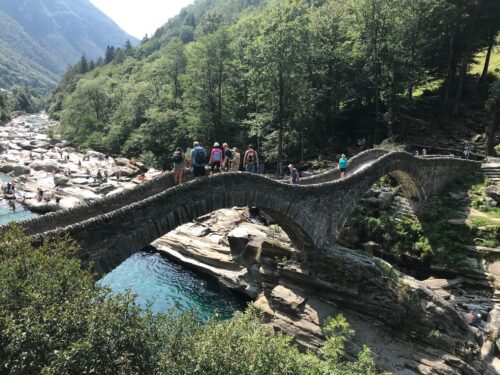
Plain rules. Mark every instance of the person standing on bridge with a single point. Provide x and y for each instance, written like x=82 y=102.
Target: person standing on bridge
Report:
x=228 y=157
x=343 y=166
x=198 y=157
x=235 y=162
x=294 y=175
x=216 y=157
x=251 y=160
x=179 y=166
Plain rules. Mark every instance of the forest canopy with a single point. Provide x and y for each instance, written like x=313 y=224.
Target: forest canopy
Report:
x=283 y=74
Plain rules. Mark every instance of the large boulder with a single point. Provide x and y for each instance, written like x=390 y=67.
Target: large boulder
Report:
x=6 y=167
x=493 y=191
x=44 y=145
x=61 y=180
x=41 y=207
x=68 y=202
x=41 y=165
x=129 y=171
x=122 y=162
x=19 y=170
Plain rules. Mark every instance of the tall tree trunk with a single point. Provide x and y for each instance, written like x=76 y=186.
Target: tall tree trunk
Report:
x=491 y=132
x=467 y=55
x=219 y=93
x=450 y=75
x=377 y=134
x=281 y=83
x=491 y=44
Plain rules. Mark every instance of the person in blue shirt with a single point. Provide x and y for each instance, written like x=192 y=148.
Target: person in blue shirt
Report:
x=343 y=166
x=198 y=159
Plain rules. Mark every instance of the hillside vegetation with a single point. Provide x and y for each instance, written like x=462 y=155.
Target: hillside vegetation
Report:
x=296 y=77
x=39 y=40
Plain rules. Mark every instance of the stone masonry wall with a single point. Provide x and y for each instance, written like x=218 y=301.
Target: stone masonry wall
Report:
x=312 y=215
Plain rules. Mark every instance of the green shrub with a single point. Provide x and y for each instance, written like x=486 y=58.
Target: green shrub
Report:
x=55 y=320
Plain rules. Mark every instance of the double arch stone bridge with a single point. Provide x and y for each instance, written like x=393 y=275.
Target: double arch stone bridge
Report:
x=313 y=213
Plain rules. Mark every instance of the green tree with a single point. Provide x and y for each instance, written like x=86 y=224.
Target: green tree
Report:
x=205 y=81
x=278 y=74
x=109 y=55
x=493 y=106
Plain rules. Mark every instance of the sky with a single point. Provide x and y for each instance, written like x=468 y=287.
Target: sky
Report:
x=140 y=17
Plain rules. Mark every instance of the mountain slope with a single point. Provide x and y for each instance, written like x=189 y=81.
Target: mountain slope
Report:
x=40 y=38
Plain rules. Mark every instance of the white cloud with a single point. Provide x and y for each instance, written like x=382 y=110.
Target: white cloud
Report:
x=138 y=17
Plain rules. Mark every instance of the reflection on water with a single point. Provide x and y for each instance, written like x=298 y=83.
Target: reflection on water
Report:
x=166 y=284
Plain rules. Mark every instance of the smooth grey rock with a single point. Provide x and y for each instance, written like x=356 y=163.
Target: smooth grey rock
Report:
x=6 y=168
x=491 y=202
x=61 y=180
x=122 y=162
x=385 y=199
x=19 y=170
x=43 y=165
x=493 y=191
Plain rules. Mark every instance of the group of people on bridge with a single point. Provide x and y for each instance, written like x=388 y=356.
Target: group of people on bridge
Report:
x=219 y=159
x=226 y=159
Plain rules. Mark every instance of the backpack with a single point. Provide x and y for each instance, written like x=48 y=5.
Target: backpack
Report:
x=216 y=155
x=178 y=157
x=199 y=156
x=251 y=157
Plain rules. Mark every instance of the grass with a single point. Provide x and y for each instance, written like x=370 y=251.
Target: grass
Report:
x=494 y=66
x=477 y=68
x=427 y=87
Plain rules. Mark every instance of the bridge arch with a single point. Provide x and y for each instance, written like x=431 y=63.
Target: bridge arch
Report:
x=109 y=239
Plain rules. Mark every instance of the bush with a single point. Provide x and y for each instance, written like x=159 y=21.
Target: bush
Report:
x=390 y=145
x=55 y=320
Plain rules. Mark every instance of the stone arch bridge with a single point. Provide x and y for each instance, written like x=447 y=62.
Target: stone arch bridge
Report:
x=110 y=229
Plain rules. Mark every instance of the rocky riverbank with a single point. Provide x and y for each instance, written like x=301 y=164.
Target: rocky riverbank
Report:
x=66 y=177
x=297 y=293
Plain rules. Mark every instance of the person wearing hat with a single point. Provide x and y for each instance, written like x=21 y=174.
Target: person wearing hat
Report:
x=228 y=157
x=216 y=157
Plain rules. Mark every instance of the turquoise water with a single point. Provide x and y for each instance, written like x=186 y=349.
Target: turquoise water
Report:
x=167 y=284
x=6 y=213
x=5 y=178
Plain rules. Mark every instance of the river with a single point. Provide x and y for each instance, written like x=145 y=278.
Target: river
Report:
x=157 y=280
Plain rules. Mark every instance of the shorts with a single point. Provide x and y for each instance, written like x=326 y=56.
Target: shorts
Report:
x=343 y=170
x=251 y=168
x=215 y=166
x=198 y=171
